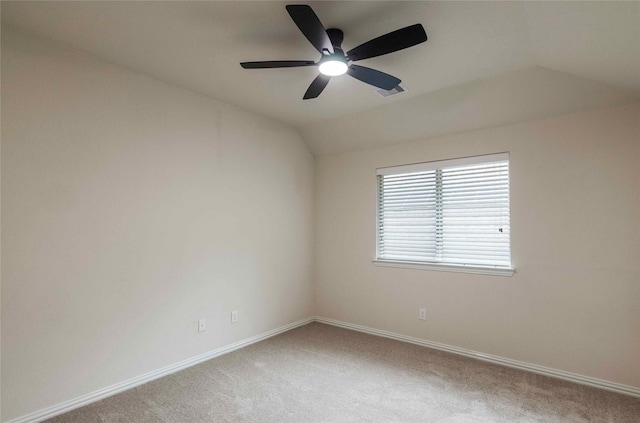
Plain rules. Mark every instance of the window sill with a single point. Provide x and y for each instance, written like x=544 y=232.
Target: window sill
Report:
x=479 y=270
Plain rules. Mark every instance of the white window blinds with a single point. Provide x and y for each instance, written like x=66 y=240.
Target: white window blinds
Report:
x=451 y=212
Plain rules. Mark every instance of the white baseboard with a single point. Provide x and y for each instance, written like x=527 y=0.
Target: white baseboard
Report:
x=83 y=400
x=558 y=374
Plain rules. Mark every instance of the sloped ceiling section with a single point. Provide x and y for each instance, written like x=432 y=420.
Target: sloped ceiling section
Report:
x=517 y=96
x=485 y=63
x=586 y=54
x=596 y=40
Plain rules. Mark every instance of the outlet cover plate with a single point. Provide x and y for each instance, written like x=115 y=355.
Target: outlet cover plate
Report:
x=422 y=314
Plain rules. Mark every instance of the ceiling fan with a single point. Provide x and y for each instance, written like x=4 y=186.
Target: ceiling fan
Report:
x=334 y=61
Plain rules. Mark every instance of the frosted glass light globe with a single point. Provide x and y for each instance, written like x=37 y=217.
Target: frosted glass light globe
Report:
x=333 y=68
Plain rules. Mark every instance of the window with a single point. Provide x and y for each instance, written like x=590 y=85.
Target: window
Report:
x=446 y=215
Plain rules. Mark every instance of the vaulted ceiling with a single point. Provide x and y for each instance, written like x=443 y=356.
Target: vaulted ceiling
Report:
x=485 y=63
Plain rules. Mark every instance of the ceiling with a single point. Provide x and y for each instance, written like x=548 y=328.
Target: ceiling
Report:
x=485 y=63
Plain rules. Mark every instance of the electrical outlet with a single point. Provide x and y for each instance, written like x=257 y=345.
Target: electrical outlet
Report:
x=234 y=316
x=202 y=325
x=422 y=314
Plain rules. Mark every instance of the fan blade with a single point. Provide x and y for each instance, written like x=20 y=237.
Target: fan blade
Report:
x=316 y=86
x=277 y=64
x=388 y=43
x=373 y=77
x=310 y=26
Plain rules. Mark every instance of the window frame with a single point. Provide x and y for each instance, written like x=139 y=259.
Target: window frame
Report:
x=437 y=266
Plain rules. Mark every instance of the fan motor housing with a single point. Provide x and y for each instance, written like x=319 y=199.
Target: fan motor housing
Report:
x=336 y=36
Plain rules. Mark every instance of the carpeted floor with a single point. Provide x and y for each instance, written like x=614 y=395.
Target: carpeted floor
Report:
x=320 y=373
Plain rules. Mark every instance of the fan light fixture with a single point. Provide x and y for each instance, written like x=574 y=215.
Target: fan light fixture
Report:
x=335 y=61
x=333 y=67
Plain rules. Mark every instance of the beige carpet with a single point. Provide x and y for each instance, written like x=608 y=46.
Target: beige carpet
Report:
x=320 y=373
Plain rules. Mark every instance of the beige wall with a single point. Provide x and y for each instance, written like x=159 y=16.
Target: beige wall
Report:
x=131 y=209
x=0 y=243
x=574 y=302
